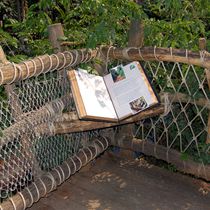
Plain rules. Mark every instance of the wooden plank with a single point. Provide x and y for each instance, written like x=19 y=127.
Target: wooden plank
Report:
x=85 y=125
x=77 y=95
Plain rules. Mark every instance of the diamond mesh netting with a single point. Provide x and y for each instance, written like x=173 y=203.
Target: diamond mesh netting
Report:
x=184 y=125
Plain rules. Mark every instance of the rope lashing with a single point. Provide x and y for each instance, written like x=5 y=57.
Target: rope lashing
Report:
x=125 y=53
x=156 y=58
x=166 y=104
x=140 y=54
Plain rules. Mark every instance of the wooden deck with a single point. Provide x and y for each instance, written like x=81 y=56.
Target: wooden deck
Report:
x=119 y=184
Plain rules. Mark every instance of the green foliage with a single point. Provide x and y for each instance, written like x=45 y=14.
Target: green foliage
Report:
x=173 y=23
x=8 y=40
x=7 y=9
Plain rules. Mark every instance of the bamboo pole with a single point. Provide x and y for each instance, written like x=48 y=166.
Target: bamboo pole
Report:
x=50 y=180
x=169 y=155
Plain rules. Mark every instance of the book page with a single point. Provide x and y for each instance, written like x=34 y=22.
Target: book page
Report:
x=95 y=96
x=129 y=89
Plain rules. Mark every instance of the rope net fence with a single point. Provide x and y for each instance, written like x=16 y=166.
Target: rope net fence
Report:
x=183 y=126
x=36 y=94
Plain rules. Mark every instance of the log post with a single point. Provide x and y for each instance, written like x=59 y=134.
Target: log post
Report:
x=135 y=39
x=15 y=105
x=136 y=34
x=55 y=31
x=202 y=47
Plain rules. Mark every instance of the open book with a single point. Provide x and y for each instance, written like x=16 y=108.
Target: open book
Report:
x=123 y=92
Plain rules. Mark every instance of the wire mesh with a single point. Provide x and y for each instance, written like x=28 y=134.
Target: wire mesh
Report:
x=24 y=154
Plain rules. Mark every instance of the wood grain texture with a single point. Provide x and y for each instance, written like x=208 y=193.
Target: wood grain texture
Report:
x=55 y=31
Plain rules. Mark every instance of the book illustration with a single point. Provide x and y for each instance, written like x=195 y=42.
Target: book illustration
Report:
x=100 y=93
x=94 y=83
x=138 y=104
x=132 y=66
x=117 y=73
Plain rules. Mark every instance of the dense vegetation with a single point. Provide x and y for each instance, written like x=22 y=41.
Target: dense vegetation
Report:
x=176 y=23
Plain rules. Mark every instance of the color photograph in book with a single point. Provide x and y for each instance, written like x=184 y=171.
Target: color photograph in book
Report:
x=117 y=73
x=123 y=92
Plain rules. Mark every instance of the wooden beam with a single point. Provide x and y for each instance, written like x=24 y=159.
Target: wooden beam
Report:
x=9 y=74
x=160 y=54
x=184 y=98
x=44 y=63
x=37 y=118
x=161 y=152
x=69 y=126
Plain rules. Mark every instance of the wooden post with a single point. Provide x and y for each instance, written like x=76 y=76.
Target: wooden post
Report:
x=13 y=98
x=136 y=34
x=202 y=47
x=55 y=31
x=135 y=39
